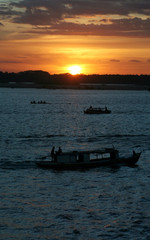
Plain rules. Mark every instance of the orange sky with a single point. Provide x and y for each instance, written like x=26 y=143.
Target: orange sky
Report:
x=102 y=37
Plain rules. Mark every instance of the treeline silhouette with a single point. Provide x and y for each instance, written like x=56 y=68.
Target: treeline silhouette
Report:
x=44 y=78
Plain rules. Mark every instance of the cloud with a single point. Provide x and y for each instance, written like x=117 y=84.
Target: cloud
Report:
x=135 y=61
x=39 y=12
x=122 y=27
x=10 y=61
x=85 y=7
x=112 y=17
x=114 y=60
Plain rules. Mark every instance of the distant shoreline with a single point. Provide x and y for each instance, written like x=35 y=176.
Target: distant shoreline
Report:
x=44 y=80
x=78 y=86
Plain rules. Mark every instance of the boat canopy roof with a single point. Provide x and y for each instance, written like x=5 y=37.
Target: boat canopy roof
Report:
x=98 y=151
x=96 y=108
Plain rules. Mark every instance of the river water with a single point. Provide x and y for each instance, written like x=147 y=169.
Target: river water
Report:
x=102 y=203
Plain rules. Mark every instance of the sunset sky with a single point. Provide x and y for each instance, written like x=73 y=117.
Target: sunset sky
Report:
x=98 y=36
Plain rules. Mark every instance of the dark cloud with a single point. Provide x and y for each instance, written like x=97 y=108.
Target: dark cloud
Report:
x=81 y=7
x=9 y=61
x=114 y=60
x=134 y=28
x=40 y=12
x=49 y=16
x=135 y=61
x=7 y=11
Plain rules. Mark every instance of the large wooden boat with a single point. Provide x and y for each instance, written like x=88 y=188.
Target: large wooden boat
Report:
x=88 y=159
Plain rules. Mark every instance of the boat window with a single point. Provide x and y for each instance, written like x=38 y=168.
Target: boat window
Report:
x=98 y=156
x=106 y=155
x=94 y=156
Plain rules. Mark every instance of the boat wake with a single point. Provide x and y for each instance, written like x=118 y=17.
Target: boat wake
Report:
x=12 y=165
x=35 y=136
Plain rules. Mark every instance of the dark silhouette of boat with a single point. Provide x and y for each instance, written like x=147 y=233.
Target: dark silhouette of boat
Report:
x=92 y=110
x=88 y=159
x=39 y=102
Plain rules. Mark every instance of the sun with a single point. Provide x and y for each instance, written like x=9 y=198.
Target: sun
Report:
x=74 y=69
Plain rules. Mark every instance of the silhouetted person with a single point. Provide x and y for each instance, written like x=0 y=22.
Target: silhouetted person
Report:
x=52 y=153
x=59 y=150
x=134 y=152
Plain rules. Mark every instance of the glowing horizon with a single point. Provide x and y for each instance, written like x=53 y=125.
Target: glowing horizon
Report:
x=109 y=40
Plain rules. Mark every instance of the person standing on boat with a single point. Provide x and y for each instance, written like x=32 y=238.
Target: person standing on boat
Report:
x=52 y=152
x=59 y=150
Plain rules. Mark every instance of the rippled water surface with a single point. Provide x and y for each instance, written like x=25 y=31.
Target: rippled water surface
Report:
x=102 y=203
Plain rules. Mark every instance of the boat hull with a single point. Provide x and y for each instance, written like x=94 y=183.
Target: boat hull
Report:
x=97 y=112
x=130 y=161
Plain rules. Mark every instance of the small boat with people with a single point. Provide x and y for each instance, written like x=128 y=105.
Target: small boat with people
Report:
x=99 y=110
x=39 y=102
x=87 y=159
